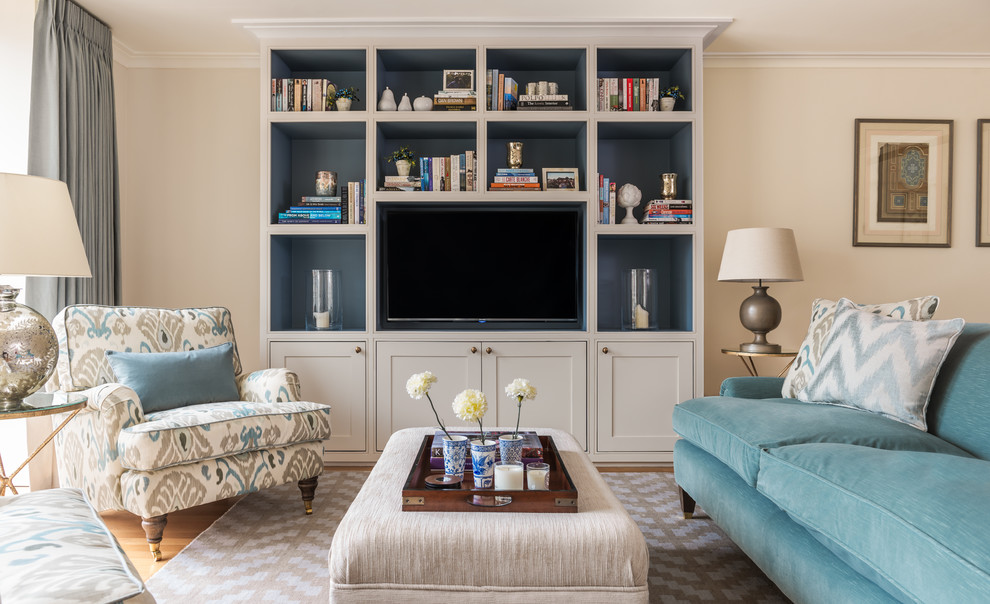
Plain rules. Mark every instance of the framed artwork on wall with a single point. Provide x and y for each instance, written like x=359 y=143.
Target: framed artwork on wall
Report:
x=903 y=183
x=983 y=182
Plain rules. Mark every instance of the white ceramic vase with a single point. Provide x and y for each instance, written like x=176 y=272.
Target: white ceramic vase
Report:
x=387 y=102
x=667 y=103
x=405 y=104
x=403 y=166
x=423 y=103
x=343 y=104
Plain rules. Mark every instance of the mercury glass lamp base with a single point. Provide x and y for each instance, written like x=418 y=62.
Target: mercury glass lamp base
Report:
x=28 y=350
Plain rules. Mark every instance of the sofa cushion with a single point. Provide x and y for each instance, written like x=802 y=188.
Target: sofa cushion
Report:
x=55 y=548
x=882 y=365
x=913 y=520
x=822 y=315
x=735 y=430
x=166 y=380
x=958 y=411
x=199 y=432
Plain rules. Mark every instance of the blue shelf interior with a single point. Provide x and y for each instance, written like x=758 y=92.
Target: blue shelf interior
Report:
x=670 y=257
x=566 y=66
x=671 y=65
x=638 y=153
x=299 y=150
x=292 y=260
x=345 y=68
x=545 y=145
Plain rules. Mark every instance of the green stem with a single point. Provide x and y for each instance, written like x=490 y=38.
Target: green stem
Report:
x=482 y=430
x=518 y=414
x=437 y=415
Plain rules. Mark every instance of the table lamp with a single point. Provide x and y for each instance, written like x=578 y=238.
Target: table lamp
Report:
x=760 y=254
x=40 y=237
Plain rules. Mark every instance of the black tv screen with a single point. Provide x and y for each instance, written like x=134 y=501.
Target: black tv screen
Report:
x=481 y=265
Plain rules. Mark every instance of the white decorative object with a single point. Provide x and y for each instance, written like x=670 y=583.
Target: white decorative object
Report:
x=343 y=104
x=508 y=476
x=387 y=103
x=402 y=167
x=629 y=197
x=404 y=104
x=538 y=477
x=667 y=103
x=423 y=103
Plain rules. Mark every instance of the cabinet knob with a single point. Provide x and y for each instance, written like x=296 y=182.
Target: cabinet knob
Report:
x=357 y=349
x=474 y=349
x=605 y=350
x=488 y=350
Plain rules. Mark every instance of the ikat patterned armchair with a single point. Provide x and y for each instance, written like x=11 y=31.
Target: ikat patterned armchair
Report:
x=134 y=456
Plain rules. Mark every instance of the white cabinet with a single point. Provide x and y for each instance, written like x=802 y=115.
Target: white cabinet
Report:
x=639 y=383
x=557 y=369
x=333 y=373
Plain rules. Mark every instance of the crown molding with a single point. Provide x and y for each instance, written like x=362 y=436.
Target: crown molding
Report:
x=890 y=60
x=707 y=29
x=133 y=59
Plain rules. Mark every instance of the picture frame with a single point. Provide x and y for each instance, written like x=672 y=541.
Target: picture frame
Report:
x=902 y=181
x=560 y=179
x=983 y=183
x=458 y=79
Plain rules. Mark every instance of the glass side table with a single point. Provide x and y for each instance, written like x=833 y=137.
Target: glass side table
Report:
x=38 y=405
x=749 y=359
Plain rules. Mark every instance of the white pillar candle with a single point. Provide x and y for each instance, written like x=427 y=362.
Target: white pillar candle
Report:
x=322 y=320
x=536 y=476
x=642 y=320
x=508 y=476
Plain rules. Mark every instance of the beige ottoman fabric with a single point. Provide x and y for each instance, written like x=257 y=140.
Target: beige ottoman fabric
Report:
x=380 y=553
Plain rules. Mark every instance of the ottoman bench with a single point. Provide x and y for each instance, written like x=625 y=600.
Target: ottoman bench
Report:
x=55 y=548
x=380 y=553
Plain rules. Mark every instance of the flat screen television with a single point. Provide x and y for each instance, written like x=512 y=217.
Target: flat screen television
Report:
x=502 y=266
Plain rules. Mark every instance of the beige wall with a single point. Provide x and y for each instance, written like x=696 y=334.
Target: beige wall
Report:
x=779 y=152
x=189 y=161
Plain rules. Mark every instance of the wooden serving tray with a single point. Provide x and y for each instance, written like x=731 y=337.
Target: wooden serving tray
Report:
x=560 y=499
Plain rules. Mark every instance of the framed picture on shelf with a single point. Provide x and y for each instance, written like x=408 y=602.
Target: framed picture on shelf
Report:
x=903 y=183
x=983 y=182
x=563 y=179
x=458 y=79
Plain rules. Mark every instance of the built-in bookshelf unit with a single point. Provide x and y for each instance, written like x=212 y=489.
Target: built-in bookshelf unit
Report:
x=603 y=317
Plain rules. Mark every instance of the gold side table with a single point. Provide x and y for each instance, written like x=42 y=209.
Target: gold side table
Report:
x=749 y=359
x=41 y=404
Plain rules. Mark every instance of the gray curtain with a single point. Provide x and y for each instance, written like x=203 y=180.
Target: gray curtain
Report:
x=73 y=139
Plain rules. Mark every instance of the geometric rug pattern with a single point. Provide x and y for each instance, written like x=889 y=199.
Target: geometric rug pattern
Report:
x=265 y=549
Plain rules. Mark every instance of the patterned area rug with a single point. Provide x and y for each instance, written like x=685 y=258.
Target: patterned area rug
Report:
x=264 y=549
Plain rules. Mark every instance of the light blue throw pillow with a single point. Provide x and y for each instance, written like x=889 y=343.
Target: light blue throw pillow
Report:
x=882 y=365
x=167 y=380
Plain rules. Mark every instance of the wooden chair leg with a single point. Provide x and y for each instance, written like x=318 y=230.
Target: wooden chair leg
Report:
x=308 y=488
x=687 y=503
x=153 y=529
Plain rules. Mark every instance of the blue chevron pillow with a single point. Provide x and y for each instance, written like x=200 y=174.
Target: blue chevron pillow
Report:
x=882 y=365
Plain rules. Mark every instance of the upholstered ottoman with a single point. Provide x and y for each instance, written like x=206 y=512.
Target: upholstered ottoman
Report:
x=380 y=553
x=55 y=548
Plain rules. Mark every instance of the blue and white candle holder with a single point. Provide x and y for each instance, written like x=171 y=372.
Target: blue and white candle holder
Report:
x=483 y=463
x=509 y=448
x=454 y=454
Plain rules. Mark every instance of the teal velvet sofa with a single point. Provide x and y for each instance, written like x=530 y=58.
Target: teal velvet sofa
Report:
x=841 y=505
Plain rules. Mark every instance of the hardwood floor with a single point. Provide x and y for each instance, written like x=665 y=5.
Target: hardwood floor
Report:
x=185 y=525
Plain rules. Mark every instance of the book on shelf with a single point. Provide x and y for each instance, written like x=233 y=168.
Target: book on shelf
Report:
x=314 y=200
x=611 y=202
x=517 y=179
x=515 y=172
x=511 y=94
x=448 y=173
x=543 y=104
x=505 y=186
x=543 y=97
x=299 y=94
x=628 y=94
x=532 y=451
x=687 y=219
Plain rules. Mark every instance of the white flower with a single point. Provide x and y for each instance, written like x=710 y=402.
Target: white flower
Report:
x=470 y=405
x=520 y=389
x=419 y=384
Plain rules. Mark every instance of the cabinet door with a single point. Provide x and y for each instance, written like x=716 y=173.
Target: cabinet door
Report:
x=638 y=385
x=332 y=373
x=455 y=366
x=558 y=370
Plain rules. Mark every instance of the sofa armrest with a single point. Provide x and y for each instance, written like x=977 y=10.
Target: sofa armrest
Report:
x=752 y=387
x=269 y=386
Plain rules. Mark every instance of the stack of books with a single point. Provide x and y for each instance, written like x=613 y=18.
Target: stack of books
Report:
x=401 y=183
x=502 y=92
x=448 y=173
x=543 y=102
x=629 y=94
x=668 y=211
x=455 y=100
x=606 y=200
x=532 y=451
x=296 y=94
x=347 y=208
x=509 y=179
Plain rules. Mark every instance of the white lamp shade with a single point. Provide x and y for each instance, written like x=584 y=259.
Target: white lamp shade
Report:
x=38 y=229
x=760 y=254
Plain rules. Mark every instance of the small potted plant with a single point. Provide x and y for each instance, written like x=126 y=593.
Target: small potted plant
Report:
x=403 y=159
x=669 y=96
x=345 y=96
